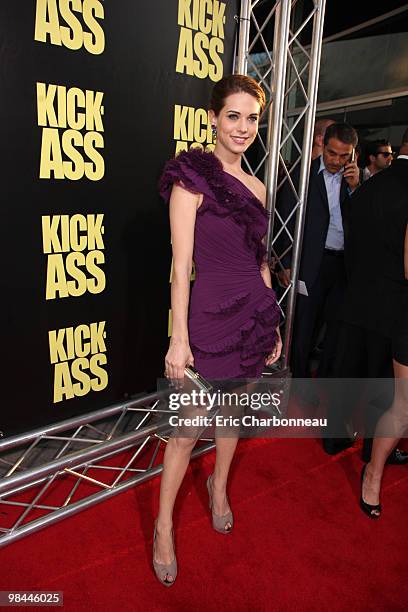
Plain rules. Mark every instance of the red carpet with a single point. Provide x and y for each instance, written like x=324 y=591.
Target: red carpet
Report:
x=300 y=542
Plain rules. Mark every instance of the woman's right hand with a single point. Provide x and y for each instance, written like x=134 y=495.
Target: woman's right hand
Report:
x=178 y=356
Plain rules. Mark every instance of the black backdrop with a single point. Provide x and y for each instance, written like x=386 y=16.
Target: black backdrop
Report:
x=131 y=58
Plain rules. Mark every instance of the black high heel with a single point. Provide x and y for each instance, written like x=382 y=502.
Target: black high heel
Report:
x=373 y=512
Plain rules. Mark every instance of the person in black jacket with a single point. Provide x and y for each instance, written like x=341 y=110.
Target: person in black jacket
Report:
x=374 y=299
x=333 y=177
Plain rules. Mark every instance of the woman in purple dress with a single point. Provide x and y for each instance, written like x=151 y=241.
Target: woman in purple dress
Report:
x=229 y=328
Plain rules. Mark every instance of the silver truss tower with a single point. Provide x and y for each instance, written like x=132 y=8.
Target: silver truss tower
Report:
x=288 y=70
x=56 y=471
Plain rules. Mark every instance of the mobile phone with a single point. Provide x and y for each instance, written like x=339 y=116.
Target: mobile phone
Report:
x=353 y=155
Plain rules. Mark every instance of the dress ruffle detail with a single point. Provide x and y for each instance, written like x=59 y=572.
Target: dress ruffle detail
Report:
x=230 y=306
x=255 y=339
x=202 y=172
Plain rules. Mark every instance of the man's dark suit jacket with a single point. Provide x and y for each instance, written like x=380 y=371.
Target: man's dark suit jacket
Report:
x=316 y=221
x=378 y=215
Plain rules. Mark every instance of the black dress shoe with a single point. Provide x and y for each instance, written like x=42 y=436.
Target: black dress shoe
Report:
x=333 y=446
x=373 y=512
x=398 y=457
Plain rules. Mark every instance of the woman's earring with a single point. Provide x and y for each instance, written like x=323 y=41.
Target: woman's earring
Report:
x=214 y=131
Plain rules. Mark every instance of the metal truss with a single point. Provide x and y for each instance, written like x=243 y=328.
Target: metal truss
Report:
x=288 y=68
x=52 y=473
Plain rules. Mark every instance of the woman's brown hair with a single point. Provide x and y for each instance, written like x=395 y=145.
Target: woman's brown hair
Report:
x=232 y=84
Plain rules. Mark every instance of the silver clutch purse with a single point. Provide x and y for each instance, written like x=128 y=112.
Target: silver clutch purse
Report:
x=198 y=381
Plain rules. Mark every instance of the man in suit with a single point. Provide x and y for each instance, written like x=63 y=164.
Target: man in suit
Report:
x=333 y=177
x=375 y=279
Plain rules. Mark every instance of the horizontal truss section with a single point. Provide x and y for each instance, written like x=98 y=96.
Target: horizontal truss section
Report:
x=54 y=472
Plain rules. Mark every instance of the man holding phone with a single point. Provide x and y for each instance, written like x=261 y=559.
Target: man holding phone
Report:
x=333 y=177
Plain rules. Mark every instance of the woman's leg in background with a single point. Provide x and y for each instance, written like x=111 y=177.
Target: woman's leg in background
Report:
x=390 y=428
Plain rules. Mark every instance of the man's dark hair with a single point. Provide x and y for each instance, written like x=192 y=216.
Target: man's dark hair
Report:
x=405 y=137
x=343 y=132
x=373 y=147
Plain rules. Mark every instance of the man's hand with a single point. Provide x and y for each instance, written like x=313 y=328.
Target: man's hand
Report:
x=352 y=175
x=284 y=277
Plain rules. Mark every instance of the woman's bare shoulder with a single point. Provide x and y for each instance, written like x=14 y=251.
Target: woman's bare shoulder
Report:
x=181 y=193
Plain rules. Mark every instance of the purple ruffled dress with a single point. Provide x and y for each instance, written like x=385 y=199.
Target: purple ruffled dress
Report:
x=232 y=315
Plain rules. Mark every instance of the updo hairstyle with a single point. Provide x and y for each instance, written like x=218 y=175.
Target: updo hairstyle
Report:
x=232 y=84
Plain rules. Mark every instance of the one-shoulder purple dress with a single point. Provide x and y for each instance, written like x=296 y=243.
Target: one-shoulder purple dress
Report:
x=233 y=315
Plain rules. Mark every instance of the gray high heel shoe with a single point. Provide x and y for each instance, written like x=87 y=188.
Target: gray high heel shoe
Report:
x=219 y=522
x=163 y=570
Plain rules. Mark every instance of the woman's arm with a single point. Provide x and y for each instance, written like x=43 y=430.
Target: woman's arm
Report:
x=183 y=210
x=276 y=353
x=406 y=253
x=266 y=275
x=265 y=271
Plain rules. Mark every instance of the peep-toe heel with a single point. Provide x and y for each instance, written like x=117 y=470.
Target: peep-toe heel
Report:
x=163 y=570
x=219 y=523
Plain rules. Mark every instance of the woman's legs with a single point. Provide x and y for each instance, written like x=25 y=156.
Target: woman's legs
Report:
x=226 y=440
x=225 y=453
x=175 y=463
x=394 y=422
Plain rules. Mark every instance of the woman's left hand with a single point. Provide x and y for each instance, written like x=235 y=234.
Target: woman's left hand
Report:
x=276 y=353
